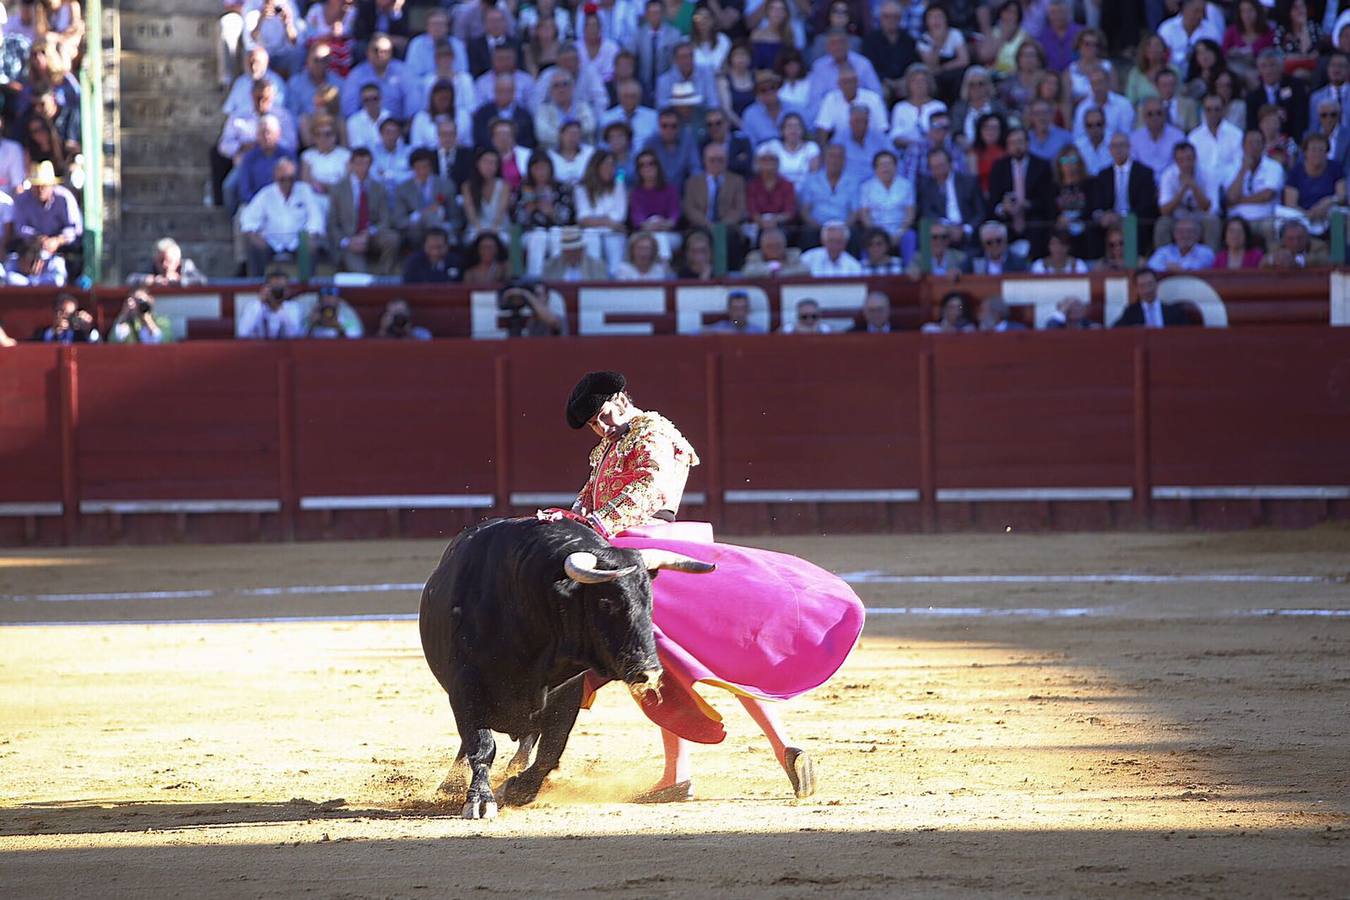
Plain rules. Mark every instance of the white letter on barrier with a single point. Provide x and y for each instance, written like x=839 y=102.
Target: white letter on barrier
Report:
x=693 y=303
x=595 y=304
x=830 y=295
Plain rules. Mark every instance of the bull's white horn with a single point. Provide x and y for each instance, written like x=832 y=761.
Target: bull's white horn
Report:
x=584 y=568
x=675 y=562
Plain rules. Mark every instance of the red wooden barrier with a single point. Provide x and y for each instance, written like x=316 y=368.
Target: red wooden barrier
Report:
x=831 y=433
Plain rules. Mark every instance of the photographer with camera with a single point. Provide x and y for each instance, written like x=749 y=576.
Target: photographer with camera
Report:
x=30 y=266
x=273 y=315
x=396 y=323
x=531 y=311
x=138 y=324
x=331 y=318
x=70 y=324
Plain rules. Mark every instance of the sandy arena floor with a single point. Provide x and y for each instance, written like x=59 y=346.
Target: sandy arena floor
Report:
x=1077 y=738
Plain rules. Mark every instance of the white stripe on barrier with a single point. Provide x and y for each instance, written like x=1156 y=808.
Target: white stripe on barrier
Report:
x=900 y=495
x=985 y=495
x=399 y=501
x=10 y=510
x=134 y=507
x=1256 y=492
x=564 y=500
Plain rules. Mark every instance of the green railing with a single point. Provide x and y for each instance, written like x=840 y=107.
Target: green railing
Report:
x=91 y=137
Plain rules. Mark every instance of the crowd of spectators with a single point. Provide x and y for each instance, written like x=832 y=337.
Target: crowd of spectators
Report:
x=784 y=136
x=41 y=161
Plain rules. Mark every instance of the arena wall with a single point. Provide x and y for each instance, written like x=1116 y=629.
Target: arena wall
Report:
x=899 y=432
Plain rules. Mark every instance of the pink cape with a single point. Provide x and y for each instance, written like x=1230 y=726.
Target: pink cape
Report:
x=765 y=625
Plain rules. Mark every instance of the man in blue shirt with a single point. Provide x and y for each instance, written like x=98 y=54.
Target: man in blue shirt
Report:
x=304 y=84
x=675 y=148
x=828 y=194
x=861 y=144
x=1044 y=138
x=763 y=119
x=379 y=68
x=255 y=169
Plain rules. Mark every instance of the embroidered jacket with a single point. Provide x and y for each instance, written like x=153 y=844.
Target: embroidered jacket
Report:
x=638 y=475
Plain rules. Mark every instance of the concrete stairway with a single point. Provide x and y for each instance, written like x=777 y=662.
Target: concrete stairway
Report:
x=168 y=109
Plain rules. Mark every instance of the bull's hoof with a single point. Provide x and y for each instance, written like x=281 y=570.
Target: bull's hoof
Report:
x=519 y=791
x=480 y=808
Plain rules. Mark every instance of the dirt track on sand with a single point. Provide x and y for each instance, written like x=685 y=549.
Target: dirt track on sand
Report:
x=1167 y=741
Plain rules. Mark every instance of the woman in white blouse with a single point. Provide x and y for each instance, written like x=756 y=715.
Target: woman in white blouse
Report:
x=441 y=104
x=324 y=164
x=644 y=260
x=597 y=51
x=797 y=157
x=1089 y=45
x=602 y=207
x=571 y=157
x=1058 y=260
x=909 y=119
x=710 y=45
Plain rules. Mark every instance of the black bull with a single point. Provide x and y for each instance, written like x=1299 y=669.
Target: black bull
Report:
x=517 y=611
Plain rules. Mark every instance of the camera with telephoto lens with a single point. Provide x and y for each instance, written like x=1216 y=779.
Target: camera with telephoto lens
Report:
x=514 y=300
x=143 y=306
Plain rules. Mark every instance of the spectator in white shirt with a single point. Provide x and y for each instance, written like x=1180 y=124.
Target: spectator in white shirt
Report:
x=277 y=216
x=1217 y=141
x=391 y=156
x=1186 y=190
x=1254 y=189
x=831 y=259
x=272 y=315
x=363 y=126
x=1093 y=146
x=1181 y=32
x=835 y=106
x=1118 y=110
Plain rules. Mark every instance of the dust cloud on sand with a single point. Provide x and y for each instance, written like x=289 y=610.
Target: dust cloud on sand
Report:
x=1166 y=744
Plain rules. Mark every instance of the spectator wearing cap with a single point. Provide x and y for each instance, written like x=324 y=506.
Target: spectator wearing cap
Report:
x=675 y=147
x=832 y=259
x=504 y=64
x=47 y=212
x=1145 y=310
x=380 y=68
x=837 y=105
x=573 y=263
x=699 y=83
x=807 y=319
x=774 y=258
x=861 y=143
x=275 y=219
x=890 y=50
x=562 y=106
x=503 y=105
x=824 y=75
x=737 y=317
x=629 y=110
x=762 y=119
x=830 y=194
x=717 y=130
x=426 y=200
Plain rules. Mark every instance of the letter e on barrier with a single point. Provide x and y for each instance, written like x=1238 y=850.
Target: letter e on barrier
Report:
x=596 y=305
x=831 y=295
x=1044 y=294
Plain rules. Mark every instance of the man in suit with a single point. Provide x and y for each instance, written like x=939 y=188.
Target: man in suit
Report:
x=1122 y=188
x=653 y=45
x=997 y=258
x=1145 y=310
x=739 y=153
x=360 y=223
x=947 y=196
x=435 y=263
x=425 y=201
x=1278 y=89
x=494 y=35
x=452 y=160
x=717 y=195
x=1022 y=192
x=1337 y=90
x=503 y=105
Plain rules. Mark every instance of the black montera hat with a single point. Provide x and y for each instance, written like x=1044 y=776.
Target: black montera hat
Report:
x=590 y=394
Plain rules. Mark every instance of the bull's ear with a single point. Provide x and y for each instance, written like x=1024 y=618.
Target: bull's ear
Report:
x=655 y=560
x=584 y=568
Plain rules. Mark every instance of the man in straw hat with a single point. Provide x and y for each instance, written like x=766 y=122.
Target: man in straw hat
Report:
x=573 y=264
x=47 y=213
